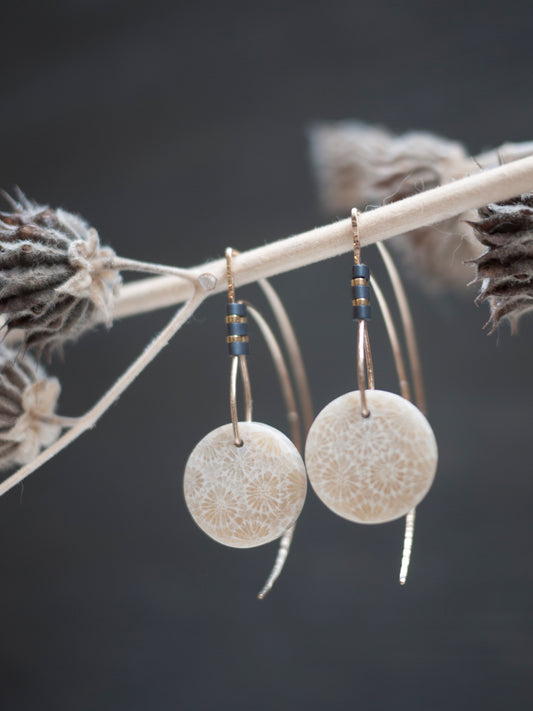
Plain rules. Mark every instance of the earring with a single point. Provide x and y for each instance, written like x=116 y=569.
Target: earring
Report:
x=371 y=455
x=245 y=482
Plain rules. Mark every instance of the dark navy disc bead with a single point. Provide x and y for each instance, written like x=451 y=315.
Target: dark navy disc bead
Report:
x=362 y=313
x=239 y=348
x=360 y=271
x=360 y=292
x=235 y=309
x=237 y=329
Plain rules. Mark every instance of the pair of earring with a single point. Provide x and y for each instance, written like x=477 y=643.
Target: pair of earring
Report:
x=370 y=455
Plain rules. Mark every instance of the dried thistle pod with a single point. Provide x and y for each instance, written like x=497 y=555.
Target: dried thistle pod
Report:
x=505 y=269
x=356 y=164
x=359 y=164
x=56 y=279
x=27 y=409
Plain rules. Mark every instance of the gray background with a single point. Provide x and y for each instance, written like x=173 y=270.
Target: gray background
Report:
x=178 y=129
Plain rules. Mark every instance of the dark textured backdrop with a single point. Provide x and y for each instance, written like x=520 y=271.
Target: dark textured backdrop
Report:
x=178 y=129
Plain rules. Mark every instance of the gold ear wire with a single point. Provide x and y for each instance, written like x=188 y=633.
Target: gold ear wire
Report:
x=300 y=378
x=229 y=274
x=293 y=415
x=293 y=418
x=356 y=240
x=361 y=307
x=416 y=375
x=239 y=352
x=412 y=352
x=297 y=423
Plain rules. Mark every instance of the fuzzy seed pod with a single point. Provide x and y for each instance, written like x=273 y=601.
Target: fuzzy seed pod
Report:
x=55 y=279
x=27 y=403
x=357 y=164
x=361 y=165
x=505 y=269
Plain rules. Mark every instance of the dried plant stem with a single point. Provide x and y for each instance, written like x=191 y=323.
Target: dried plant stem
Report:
x=426 y=208
x=133 y=265
x=93 y=415
x=60 y=420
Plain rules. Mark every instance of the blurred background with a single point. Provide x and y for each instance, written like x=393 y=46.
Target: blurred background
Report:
x=177 y=129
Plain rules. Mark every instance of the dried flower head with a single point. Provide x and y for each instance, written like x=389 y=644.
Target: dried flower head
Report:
x=505 y=268
x=56 y=279
x=362 y=165
x=27 y=404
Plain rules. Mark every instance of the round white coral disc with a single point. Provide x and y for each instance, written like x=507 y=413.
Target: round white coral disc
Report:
x=371 y=469
x=245 y=496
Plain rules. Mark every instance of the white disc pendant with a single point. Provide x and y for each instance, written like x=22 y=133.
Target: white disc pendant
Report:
x=371 y=469
x=245 y=496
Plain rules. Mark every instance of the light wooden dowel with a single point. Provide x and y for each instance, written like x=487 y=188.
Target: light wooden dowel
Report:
x=291 y=253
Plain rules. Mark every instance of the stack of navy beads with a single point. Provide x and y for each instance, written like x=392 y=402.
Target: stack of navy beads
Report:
x=237 y=324
x=361 y=292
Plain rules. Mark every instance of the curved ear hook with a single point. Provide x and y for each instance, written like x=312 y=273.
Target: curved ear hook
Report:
x=300 y=377
x=418 y=384
x=412 y=352
x=293 y=417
